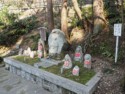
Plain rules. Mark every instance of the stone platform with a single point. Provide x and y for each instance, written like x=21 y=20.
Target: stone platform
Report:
x=50 y=81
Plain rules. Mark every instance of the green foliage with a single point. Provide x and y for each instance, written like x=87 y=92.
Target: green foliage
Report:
x=27 y=60
x=103 y=49
x=12 y=27
x=112 y=11
x=7 y=18
x=25 y=25
x=84 y=75
x=81 y=2
x=76 y=22
x=87 y=11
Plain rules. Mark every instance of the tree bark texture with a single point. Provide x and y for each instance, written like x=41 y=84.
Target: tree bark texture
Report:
x=99 y=18
x=64 y=24
x=77 y=9
x=50 y=15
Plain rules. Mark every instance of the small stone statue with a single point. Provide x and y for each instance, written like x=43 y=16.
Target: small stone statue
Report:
x=67 y=63
x=87 y=61
x=75 y=71
x=78 y=54
x=31 y=54
x=27 y=52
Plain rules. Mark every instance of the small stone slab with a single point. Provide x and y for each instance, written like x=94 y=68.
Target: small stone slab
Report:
x=43 y=64
x=52 y=61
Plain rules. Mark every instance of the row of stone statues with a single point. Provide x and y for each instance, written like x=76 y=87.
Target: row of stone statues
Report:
x=56 y=41
x=77 y=57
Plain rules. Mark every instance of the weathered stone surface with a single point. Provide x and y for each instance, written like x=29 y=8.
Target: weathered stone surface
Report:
x=56 y=41
x=43 y=64
x=42 y=31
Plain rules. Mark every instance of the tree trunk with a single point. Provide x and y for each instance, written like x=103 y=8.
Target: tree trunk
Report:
x=50 y=15
x=77 y=9
x=99 y=18
x=64 y=26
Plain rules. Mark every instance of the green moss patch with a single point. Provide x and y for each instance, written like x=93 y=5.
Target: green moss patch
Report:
x=27 y=59
x=84 y=76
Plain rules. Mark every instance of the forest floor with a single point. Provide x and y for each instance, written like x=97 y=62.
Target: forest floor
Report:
x=112 y=77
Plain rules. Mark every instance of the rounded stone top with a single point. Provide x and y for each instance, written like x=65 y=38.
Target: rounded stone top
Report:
x=87 y=57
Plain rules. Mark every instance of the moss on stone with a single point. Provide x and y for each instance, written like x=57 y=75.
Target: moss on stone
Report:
x=27 y=59
x=84 y=76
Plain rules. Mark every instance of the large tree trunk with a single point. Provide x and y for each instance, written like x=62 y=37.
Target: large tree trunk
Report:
x=50 y=15
x=99 y=18
x=64 y=26
x=77 y=9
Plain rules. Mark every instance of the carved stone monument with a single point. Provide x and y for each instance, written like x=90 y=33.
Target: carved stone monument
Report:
x=75 y=71
x=78 y=54
x=87 y=61
x=56 y=41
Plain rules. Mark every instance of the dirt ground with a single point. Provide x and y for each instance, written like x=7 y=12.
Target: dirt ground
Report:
x=112 y=77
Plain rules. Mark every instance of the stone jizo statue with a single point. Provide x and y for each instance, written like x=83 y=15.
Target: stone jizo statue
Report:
x=78 y=54
x=67 y=63
x=75 y=71
x=40 y=49
x=87 y=61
